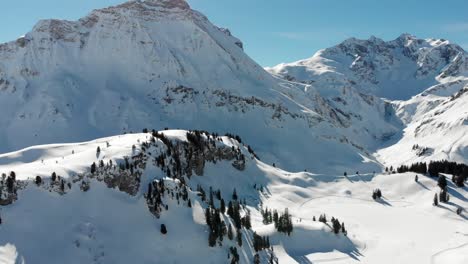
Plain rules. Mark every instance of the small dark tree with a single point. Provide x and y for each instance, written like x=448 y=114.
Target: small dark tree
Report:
x=416 y=178
x=442 y=182
x=436 y=201
x=234 y=195
x=343 y=229
x=229 y=233
x=93 y=168
x=256 y=259
x=443 y=196
x=38 y=180
x=163 y=229
x=336 y=226
x=222 y=206
x=239 y=238
x=54 y=176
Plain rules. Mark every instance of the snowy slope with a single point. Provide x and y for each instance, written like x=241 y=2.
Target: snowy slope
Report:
x=105 y=225
x=425 y=78
x=439 y=124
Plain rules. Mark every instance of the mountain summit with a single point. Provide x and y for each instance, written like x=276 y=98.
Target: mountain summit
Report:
x=396 y=69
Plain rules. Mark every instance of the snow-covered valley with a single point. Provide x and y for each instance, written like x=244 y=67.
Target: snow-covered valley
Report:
x=285 y=146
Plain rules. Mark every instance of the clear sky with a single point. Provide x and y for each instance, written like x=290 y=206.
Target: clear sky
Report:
x=275 y=31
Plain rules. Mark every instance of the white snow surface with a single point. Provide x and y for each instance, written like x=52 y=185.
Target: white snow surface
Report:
x=105 y=225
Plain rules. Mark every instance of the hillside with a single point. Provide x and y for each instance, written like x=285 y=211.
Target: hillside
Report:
x=423 y=80
x=114 y=207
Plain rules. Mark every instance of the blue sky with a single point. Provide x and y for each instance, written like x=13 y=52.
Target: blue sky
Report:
x=275 y=31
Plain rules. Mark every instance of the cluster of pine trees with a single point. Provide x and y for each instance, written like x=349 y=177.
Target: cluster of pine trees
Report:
x=459 y=171
x=336 y=226
x=419 y=167
x=376 y=194
x=214 y=217
x=8 y=188
x=283 y=222
x=260 y=243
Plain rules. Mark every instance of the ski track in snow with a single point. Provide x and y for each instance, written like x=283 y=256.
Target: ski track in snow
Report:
x=438 y=254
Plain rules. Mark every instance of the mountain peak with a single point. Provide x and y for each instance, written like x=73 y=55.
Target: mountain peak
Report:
x=406 y=36
x=170 y=4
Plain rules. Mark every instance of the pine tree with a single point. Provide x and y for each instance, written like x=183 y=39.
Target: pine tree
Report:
x=442 y=182
x=234 y=195
x=212 y=238
x=163 y=229
x=229 y=233
x=336 y=225
x=222 y=206
x=239 y=238
x=257 y=257
x=38 y=180
x=93 y=168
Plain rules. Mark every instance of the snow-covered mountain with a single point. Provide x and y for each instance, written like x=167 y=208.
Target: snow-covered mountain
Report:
x=294 y=136
x=396 y=70
x=426 y=79
x=161 y=64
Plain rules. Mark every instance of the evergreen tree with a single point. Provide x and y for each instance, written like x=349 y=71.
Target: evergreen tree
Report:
x=229 y=233
x=257 y=257
x=212 y=238
x=442 y=182
x=93 y=168
x=239 y=238
x=222 y=206
x=336 y=225
x=38 y=180
x=343 y=229
x=234 y=195
x=443 y=196
x=163 y=229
